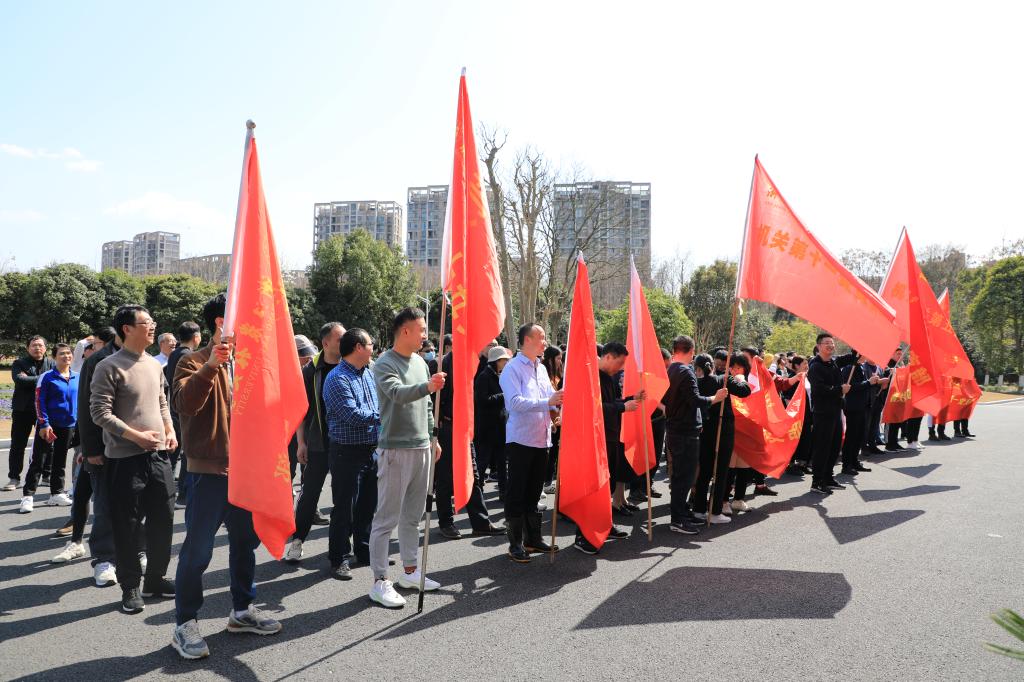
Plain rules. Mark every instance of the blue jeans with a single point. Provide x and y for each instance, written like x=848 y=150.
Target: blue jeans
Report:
x=207 y=508
x=354 y=490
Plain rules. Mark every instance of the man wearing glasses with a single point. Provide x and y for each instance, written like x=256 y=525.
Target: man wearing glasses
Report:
x=129 y=402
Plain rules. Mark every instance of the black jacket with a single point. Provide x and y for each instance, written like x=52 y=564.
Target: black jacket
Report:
x=859 y=396
x=315 y=422
x=90 y=435
x=827 y=379
x=488 y=408
x=683 y=401
x=709 y=385
x=172 y=363
x=613 y=405
x=26 y=373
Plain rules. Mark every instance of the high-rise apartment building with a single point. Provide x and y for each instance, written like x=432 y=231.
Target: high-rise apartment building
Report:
x=213 y=268
x=154 y=253
x=608 y=221
x=382 y=219
x=425 y=215
x=117 y=256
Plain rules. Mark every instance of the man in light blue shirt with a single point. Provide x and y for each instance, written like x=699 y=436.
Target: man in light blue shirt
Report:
x=530 y=401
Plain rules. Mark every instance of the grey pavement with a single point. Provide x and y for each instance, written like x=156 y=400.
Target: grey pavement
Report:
x=893 y=578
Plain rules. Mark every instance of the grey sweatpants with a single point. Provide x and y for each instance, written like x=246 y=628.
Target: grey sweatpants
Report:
x=401 y=499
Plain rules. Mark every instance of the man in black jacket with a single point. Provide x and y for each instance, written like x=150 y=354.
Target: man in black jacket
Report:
x=682 y=430
x=489 y=416
x=857 y=407
x=189 y=338
x=26 y=371
x=827 y=390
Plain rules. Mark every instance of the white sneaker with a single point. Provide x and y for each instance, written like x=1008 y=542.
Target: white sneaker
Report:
x=104 y=573
x=72 y=550
x=739 y=506
x=914 y=446
x=26 y=505
x=59 y=500
x=383 y=593
x=720 y=518
x=12 y=484
x=294 y=552
x=543 y=496
x=188 y=642
x=411 y=581
x=727 y=508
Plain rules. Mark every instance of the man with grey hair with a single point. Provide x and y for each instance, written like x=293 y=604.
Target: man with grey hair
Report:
x=167 y=344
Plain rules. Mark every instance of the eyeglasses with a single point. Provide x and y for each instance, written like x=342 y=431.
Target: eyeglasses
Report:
x=147 y=323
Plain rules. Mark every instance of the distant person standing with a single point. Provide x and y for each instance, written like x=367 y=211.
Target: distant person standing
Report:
x=167 y=344
x=189 y=339
x=25 y=371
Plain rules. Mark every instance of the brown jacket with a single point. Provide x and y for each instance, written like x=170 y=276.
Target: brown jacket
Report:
x=201 y=396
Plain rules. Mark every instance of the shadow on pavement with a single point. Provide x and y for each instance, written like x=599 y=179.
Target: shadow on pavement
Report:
x=919 y=471
x=721 y=593
x=879 y=495
x=848 y=529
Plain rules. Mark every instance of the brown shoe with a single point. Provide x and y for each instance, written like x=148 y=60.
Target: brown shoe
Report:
x=65 y=531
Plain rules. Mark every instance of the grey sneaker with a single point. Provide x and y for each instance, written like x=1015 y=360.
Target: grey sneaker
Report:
x=255 y=621
x=12 y=484
x=342 y=572
x=188 y=642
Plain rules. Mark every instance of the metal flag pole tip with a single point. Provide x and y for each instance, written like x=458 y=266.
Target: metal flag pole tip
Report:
x=463 y=71
x=250 y=124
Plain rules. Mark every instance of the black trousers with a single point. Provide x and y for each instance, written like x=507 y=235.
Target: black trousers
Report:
x=178 y=455
x=141 y=507
x=875 y=422
x=802 y=453
x=912 y=429
x=58 y=461
x=742 y=477
x=490 y=457
x=354 y=491
x=638 y=487
x=556 y=445
x=444 y=486
x=527 y=467
x=825 y=445
x=707 y=465
x=80 y=507
x=856 y=423
x=23 y=421
x=314 y=473
x=685 y=449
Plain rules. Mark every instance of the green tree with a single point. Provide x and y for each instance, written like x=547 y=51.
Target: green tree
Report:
x=707 y=298
x=361 y=282
x=667 y=314
x=173 y=299
x=13 y=302
x=798 y=336
x=62 y=302
x=753 y=328
x=119 y=288
x=306 y=319
x=998 y=312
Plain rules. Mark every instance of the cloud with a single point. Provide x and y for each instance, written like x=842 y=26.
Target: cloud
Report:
x=20 y=216
x=73 y=158
x=163 y=209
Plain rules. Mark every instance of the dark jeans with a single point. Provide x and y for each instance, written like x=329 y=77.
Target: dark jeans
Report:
x=638 y=486
x=314 y=473
x=58 y=465
x=527 y=467
x=207 y=509
x=20 y=429
x=490 y=457
x=141 y=504
x=824 y=445
x=874 y=424
x=707 y=465
x=685 y=449
x=354 y=490
x=444 y=486
x=856 y=423
x=101 y=536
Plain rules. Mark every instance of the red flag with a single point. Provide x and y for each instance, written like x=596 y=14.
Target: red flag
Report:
x=268 y=400
x=584 y=491
x=784 y=264
x=644 y=369
x=767 y=432
x=470 y=274
x=935 y=350
x=898 y=404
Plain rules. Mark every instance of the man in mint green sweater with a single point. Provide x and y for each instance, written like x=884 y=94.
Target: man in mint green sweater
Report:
x=404 y=447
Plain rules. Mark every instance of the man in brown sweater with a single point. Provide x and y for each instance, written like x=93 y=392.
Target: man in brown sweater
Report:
x=201 y=395
x=128 y=402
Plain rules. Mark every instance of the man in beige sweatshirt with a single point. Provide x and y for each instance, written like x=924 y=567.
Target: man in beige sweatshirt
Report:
x=128 y=401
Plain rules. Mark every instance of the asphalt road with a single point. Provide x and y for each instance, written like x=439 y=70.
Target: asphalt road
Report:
x=892 y=578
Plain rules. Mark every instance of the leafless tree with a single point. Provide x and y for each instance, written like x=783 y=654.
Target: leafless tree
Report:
x=493 y=142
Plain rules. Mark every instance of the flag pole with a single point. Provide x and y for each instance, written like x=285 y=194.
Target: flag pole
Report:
x=433 y=464
x=647 y=461
x=558 y=489
x=721 y=417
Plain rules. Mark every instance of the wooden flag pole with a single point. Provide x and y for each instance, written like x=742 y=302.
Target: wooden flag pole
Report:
x=430 y=477
x=721 y=417
x=647 y=459
x=558 y=488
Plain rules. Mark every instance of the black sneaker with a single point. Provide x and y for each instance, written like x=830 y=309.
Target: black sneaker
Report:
x=321 y=520
x=584 y=546
x=621 y=511
x=849 y=472
x=160 y=587
x=683 y=527
x=861 y=467
x=617 y=534
x=131 y=600
x=765 y=490
x=450 y=532
x=654 y=493
x=893 y=448
x=820 y=489
x=835 y=484
x=631 y=507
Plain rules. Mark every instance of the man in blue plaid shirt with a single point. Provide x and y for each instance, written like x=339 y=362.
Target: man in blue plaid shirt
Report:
x=353 y=422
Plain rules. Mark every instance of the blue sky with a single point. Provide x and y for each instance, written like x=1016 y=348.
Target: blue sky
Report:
x=117 y=118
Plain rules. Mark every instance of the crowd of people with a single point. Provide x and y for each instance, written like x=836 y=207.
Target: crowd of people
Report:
x=132 y=420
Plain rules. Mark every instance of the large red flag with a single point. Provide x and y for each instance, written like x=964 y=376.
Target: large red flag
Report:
x=469 y=273
x=767 y=432
x=645 y=369
x=268 y=399
x=963 y=394
x=584 y=491
x=782 y=263
x=935 y=351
